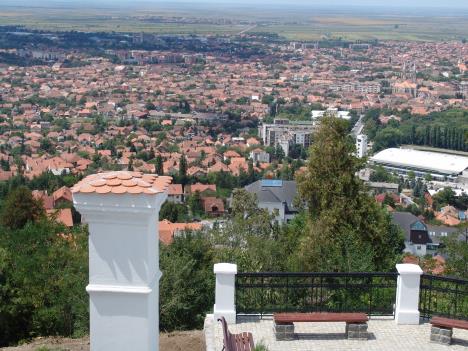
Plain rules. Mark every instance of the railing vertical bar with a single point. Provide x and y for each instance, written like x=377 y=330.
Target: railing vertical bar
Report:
x=361 y=292
x=261 y=298
x=370 y=296
x=321 y=293
x=455 y=313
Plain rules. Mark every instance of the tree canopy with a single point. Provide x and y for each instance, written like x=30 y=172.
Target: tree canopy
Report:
x=347 y=230
x=19 y=208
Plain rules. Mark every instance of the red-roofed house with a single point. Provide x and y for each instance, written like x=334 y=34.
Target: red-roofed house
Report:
x=47 y=201
x=230 y=154
x=200 y=188
x=63 y=216
x=175 y=193
x=62 y=196
x=213 y=205
x=168 y=230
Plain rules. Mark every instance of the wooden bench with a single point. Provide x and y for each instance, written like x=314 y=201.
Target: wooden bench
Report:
x=236 y=342
x=356 y=323
x=442 y=329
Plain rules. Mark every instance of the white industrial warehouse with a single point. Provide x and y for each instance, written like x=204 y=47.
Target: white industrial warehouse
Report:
x=441 y=166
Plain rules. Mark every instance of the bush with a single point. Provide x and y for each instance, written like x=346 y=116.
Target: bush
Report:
x=187 y=284
x=43 y=275
x=260 y=347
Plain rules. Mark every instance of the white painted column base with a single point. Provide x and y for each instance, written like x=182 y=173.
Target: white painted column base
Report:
x=407 y=296
x=131 y=326
x=407 y=317
x=229 y=315
x=225 y=292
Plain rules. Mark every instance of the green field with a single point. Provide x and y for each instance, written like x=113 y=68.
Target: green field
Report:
x=290 y=25
x=382 y=28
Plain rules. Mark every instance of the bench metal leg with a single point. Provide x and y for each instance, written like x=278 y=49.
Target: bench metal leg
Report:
x=441 y=335
x=284 y=331
x=357 y=331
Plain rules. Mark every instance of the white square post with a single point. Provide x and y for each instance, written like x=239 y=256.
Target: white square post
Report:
x=122 y=209
x=225 y=292
x=407 y=296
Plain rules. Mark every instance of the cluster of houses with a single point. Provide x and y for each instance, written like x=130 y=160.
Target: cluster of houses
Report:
x=107 y=116
x=57 y=205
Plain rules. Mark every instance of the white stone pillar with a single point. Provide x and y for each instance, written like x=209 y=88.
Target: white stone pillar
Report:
x=407 y=296
x=225 y=291
x=121 y=209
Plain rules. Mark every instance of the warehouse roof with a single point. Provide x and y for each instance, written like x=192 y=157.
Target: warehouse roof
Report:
x=423 y=160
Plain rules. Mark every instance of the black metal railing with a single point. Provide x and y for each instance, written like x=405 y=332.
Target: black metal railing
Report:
x=266 y=293
x=443 y=296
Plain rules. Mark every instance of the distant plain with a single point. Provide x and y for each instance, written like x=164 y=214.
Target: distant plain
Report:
x=290 y=23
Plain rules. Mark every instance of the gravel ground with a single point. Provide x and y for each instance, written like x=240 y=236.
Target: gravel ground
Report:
x=177 y=341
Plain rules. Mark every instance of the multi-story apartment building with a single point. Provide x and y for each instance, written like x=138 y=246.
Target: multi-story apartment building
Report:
x=316 y=115
x=361 y=145
x=285 y=133
x=365 y=88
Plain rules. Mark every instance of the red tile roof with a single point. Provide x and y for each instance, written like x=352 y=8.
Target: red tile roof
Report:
x=63 y=193
x=123 y=182
x=201 y=187
x=212 y=204
x=47 y=201
x=175 y=189
x=63 y=216
x=167 y=229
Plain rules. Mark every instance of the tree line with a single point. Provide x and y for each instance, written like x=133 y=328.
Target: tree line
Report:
x=446 y=130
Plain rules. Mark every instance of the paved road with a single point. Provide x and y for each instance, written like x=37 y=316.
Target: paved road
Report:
x=247 y=29
x=358 y=127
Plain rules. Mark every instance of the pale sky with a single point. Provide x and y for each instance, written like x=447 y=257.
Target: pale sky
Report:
x=328 y=3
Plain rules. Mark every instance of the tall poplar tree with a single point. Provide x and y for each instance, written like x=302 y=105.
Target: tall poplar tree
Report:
x=347 y=230
x=183 y=170
x=159 y=165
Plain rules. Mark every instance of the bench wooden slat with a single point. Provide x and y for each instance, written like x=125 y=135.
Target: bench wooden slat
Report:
x=320 y=317
x=449 y=323
x=236 y=342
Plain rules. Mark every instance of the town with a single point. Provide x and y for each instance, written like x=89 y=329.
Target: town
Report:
x=264 y=145
x=217 y=123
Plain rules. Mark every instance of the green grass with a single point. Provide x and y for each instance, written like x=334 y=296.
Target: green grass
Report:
x=351 y=26
x=421 y=29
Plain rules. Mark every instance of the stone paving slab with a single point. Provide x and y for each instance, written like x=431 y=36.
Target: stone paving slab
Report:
x=385 y=335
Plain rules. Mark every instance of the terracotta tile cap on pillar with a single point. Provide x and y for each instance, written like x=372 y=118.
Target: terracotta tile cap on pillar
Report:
x=122 y=182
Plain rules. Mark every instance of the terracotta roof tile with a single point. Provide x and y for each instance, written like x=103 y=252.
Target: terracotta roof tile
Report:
x=124 y=176
x=119 y=189
x=129 y=183
x=114 y=182
x=122 y=182
x=103 y=189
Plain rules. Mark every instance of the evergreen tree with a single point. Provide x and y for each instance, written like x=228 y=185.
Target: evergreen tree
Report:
x=19 y=208
x=279 y=153
x=130 y=164
x=457 y=253
x=183 y=170
x=347 y=230
x=437 y=136
x=413 y=135
x=251 y=172
x=195 y=204
x=427 y=135
x=151 y=154
x=159 y=165
x=433 y=136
